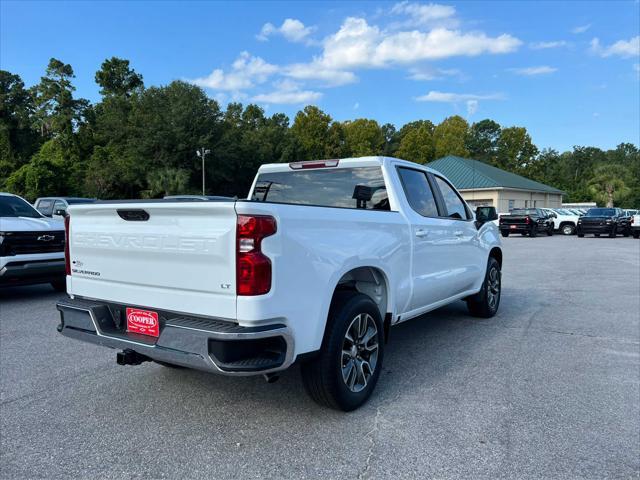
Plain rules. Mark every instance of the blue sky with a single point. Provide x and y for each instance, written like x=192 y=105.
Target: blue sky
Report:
x=569 y=72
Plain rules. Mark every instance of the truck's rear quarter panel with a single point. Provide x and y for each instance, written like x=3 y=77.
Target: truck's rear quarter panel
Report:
x=313 y=248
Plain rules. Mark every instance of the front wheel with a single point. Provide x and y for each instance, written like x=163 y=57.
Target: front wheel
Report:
x=550 y=231
x=581 y=235
x=485 y=303
x=613 y=233
x=534 y=232
x=505 y=234
x=347 y=368
x=568 y=229
x=636 y=234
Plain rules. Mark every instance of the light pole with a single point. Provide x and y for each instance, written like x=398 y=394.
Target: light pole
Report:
x=202 y=153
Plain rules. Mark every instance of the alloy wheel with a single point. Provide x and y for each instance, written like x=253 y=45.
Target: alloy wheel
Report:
x=359 y=352
x=493 y=287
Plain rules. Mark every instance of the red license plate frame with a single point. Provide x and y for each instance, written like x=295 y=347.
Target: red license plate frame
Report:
x=143 y=322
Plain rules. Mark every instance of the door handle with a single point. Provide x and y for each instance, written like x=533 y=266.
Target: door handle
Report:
x=422 y=233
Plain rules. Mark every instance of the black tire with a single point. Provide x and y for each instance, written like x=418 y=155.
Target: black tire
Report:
x=481 y=304
x=323 y=376
x=533 y=233
x=550 y=231
x=60 y=285
x=613 y=233
x=581 y=235
x=636 y=234
x=625 y=233
x=596 y=234
x=505 y=234
x=169 y=365
x=567 y=229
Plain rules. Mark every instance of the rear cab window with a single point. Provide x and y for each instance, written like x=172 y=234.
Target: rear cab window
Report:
x=456 y=208
x=418 y=191
x=356 y=187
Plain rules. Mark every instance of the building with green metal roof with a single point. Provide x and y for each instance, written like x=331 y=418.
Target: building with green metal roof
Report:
x=483 y=184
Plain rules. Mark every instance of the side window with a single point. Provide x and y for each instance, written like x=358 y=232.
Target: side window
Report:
x=45 y=207
x=453 y=202
x=418 y=192
x=59 y=206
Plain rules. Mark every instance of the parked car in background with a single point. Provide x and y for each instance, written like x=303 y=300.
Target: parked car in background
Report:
x=564 y=221
x=600 y=221
x=314 y=267
x=526 y=221
x=635 y=224
x=56 y=207
x=31 y=245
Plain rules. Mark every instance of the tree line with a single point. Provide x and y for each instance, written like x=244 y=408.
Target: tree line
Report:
x=141 y=142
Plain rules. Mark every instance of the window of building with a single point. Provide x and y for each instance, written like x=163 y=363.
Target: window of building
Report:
x=512 y=204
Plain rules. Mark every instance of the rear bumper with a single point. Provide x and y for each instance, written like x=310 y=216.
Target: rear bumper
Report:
x=26 y=272
x=516 y=229
x=206 y=344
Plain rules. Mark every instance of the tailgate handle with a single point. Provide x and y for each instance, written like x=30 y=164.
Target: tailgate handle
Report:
x=135 y=215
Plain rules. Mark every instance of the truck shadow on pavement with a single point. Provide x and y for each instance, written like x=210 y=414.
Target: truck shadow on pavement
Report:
x=419 y=354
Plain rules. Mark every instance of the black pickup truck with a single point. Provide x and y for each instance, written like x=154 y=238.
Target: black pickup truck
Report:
x=527 y=221
x=604 y=221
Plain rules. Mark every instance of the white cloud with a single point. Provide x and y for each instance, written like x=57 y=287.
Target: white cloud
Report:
x=358 y=44
x=622 y=48
x=291 y=29
x=547 y=45
x=580 y=28
x=288 y=92
x=530 y=71
x=246 y=71
x=314 y=71
x=428 y=15
x=472 y=107
x=356 y=106
x=444 y=97
x=427 y=74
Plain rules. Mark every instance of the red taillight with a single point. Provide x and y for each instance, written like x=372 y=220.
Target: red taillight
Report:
x=67 y=260
x=527 y=220
x=253 y=268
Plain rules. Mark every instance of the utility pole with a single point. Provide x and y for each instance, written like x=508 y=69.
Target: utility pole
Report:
x=202 y=153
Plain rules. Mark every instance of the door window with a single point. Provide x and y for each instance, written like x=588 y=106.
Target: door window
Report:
x=454 y=204
x=59 y=205
x=418 y=191
x=45 y=207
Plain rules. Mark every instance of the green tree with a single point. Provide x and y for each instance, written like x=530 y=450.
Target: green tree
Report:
x=417 y=145
x=363 y=137
x=18 y=141
x=608 y=183
x=450 y=137
x=482 y=140
x=391 y=140
x=311 y=130
x=116 y=78
x=515 y=149
x=167 y=181
x=57 y=112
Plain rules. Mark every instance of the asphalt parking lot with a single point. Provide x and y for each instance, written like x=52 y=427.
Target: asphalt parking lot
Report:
x=549 y=388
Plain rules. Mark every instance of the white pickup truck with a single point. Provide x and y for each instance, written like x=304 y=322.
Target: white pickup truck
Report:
x=313 y=267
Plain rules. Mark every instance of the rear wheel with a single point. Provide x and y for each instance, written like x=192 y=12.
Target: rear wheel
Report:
x=485 y=303
x=347 y=368
x=568 y=229
x=534 y=232
x=636 y=234
x=505 y=234
x=550 y=230
x=581 y=235
x=612 y=233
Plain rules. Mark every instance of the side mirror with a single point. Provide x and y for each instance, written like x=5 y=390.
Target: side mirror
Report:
x=485 y=214
x=60 y=213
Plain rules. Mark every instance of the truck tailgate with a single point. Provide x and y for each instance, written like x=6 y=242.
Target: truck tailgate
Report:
x=181 y=258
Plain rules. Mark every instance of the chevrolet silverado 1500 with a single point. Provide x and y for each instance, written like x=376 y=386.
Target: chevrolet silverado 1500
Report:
x=313 y=267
